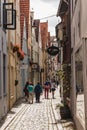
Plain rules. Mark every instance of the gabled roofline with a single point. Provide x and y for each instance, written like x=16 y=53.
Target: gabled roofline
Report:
x=60 y=4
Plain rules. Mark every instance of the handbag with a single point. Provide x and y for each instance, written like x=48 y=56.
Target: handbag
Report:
x=47 y=86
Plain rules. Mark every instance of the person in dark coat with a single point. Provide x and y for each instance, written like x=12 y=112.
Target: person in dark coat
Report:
x=53 y=88
x=25 y=90
x=38 y=91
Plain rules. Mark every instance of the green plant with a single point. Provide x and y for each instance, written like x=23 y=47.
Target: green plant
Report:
x=59 y=105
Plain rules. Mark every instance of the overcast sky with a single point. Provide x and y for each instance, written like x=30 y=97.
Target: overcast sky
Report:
x=46 y=8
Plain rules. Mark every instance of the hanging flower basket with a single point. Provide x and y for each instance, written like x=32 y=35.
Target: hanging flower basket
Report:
x=20 y=54
x=15 y=47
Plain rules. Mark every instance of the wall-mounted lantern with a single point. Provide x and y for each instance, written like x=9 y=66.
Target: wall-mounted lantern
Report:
x=9 y=16
x=16 y=82
x=35 y=67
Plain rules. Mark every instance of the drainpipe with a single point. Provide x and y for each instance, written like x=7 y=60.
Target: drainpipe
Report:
x=16 y=76
x=9 y=69
x=61 y=70
x=27 y=59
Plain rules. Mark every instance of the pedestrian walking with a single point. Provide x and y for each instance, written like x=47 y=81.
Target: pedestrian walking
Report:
x=38 y=91
x=30 y=88
x=47 y=87
x=25 y=90
x=57 y=83
x=53 y=88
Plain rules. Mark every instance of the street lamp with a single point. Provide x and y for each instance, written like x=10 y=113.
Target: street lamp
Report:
x=9 y=16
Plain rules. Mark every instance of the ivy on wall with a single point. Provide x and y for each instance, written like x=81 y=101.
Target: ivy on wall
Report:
x=65 y=76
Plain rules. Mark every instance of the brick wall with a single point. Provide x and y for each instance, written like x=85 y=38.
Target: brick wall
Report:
x=24 y=12
x=44 y=34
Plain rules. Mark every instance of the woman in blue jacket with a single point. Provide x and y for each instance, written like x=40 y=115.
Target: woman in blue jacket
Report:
x=30 y=88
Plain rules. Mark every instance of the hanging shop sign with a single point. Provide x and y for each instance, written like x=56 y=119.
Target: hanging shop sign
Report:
x=53 y=50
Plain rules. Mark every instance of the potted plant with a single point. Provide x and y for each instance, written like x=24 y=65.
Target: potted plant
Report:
x=15 y=47
x=65 y=112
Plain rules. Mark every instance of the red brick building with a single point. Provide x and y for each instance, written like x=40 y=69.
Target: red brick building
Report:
x=44 y=40
x=44 y=34
x=24 y=13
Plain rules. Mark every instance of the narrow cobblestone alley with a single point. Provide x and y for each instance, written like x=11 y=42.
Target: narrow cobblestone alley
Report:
x=36 y=116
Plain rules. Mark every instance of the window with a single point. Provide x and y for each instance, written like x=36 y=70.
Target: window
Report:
x=9 y=16
x=80 y=113
x=79 y=71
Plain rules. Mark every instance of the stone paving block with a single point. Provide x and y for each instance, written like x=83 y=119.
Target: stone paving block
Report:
x=36 y=116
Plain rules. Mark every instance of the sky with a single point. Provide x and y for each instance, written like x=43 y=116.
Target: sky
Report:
x=48 y=9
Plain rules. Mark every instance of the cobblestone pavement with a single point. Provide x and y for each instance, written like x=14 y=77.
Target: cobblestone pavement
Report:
x=66 y=124
x=36 y=116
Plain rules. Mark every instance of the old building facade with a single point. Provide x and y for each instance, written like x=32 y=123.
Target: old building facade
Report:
x=23 y=44
x=79 y=76
x=64 y=44
x=44 y=39
x=13 y=38
x=76 y=52
x=25 y=33
x=3 y=65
